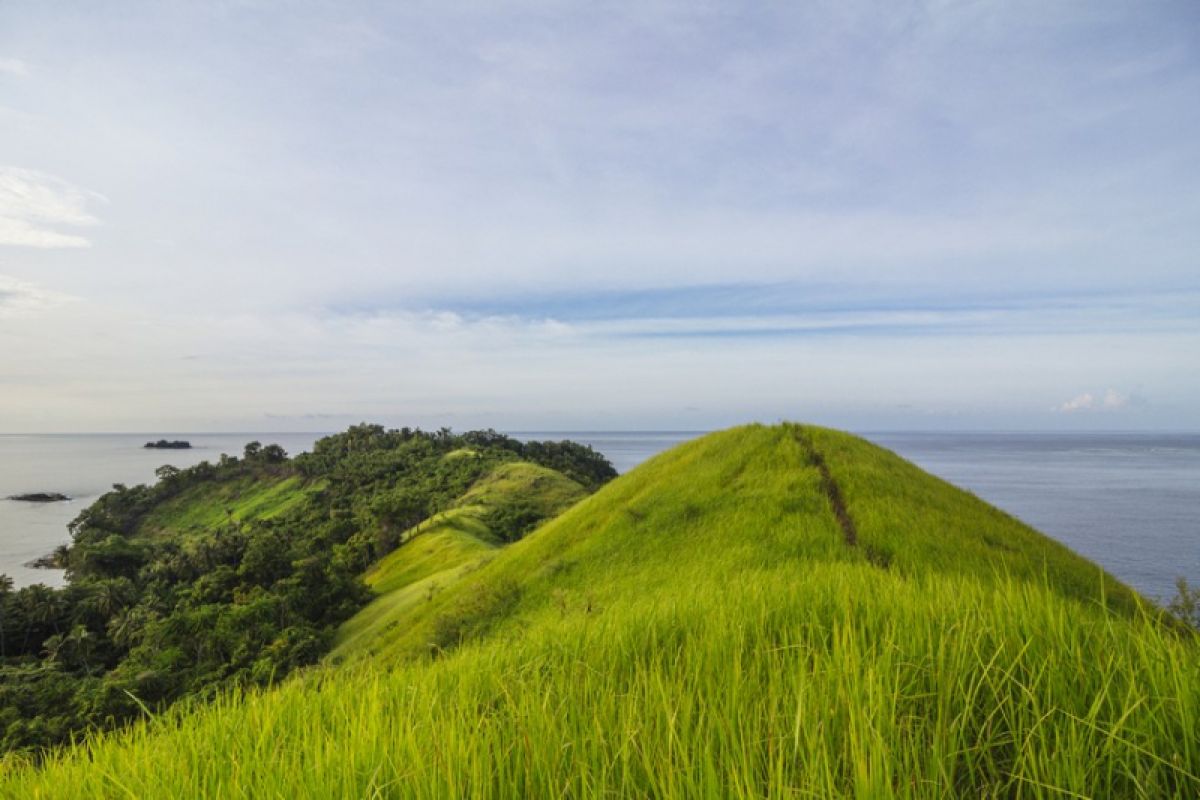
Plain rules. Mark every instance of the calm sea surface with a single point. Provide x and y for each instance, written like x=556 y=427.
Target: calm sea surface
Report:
x=1128 y=501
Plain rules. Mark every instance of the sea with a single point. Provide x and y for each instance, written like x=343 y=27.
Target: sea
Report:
x=1129 y=501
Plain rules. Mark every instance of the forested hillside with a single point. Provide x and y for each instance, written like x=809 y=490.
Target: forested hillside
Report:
x=240 y=571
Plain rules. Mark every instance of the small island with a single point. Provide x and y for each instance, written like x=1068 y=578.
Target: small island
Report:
x=55 y=560
x=40 y=497
x=163 y=444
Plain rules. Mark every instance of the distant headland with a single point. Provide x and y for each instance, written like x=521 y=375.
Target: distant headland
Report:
x=163 y=444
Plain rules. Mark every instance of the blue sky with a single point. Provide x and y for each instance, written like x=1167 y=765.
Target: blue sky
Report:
x=284 y=216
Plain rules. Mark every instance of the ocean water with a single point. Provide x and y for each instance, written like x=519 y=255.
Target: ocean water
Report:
x=1130 y=502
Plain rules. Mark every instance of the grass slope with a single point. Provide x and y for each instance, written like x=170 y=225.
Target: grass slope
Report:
x=446 y=548
x=762 y=612
x=443 y=554
x=214 y=504
x=523 y=482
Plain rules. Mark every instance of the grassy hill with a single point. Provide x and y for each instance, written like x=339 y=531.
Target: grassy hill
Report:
x=448 y=546
x=762 y=612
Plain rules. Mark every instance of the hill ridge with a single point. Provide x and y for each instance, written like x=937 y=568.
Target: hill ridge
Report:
x=830 y=487
x=956 y=532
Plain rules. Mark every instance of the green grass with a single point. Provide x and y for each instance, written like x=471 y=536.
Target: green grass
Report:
x=440 y=555
x=444 y=549
x=701 y=628
x=522 y=481
x=441 y=542
x=216 y=504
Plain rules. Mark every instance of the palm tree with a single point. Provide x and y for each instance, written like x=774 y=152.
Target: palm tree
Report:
x=80 y=640
x=126 y=629
x=52 y=648
x=42 y=606
x=110 y=596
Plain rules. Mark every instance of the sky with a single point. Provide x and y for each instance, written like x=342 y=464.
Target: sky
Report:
x=272 y=216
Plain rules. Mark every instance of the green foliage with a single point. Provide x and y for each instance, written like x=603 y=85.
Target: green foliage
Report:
x=513 y=521
x=227 y=574
x=498 y=508
x=516 y=497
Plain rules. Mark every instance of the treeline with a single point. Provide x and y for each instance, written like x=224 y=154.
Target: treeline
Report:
x=145 y=620
x=380 y=483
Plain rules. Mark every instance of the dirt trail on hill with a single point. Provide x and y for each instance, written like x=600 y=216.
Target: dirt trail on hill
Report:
x=831 y=489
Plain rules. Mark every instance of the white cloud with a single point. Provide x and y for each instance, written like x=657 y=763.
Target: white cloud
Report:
x=33 y=205
x=14 y=67
x=1114 y=400
x=1078 y=403
x=1111 y=400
